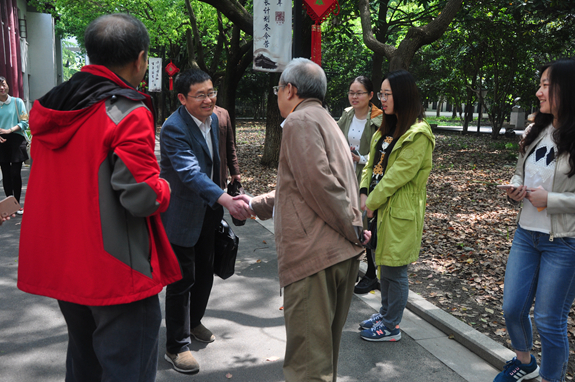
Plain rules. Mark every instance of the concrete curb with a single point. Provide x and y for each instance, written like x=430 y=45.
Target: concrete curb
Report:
x=492 y=352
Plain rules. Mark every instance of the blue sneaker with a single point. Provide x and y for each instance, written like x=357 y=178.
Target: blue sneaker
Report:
x=379 y=332
x=368 y=324
x=515 y=371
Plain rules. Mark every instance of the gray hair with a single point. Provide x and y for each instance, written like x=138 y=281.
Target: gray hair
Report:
x=307 y=76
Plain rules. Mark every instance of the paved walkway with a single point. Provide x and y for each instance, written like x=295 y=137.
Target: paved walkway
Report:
x=245 y=315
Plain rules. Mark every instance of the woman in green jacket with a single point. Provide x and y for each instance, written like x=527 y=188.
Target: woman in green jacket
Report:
x=393 y=189
x=358 y=123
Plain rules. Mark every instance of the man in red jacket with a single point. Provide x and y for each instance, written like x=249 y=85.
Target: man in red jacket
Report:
x=92 y=236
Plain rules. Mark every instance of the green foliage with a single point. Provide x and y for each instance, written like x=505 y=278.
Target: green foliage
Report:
x=73 y=60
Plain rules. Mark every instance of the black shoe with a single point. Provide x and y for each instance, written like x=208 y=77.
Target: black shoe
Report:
x=366 y=285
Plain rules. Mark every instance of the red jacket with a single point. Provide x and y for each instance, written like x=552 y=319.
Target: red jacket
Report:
x=92 y=232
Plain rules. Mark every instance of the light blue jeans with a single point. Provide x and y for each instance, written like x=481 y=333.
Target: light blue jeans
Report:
x=394 y=292
x=544 y=271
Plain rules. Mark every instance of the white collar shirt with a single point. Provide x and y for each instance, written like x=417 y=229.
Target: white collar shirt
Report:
x=206 y=127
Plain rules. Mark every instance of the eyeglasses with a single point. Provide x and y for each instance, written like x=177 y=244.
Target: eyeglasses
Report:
x=383 y=96
x=277 y=88
x=202 y=97
x=354 y=94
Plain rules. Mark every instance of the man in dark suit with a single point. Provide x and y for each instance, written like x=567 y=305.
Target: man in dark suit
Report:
x=228 y=155
x=190 y=162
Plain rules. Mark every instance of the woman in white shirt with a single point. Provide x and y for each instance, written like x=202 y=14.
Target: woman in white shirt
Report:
x=358 y=123
x=541 y=264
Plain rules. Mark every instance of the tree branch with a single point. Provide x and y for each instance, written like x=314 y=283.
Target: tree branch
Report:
x=368 y=38
x=234 y=11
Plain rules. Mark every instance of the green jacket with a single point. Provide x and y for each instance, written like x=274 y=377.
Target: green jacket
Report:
x=374 y=120
x=400 y=196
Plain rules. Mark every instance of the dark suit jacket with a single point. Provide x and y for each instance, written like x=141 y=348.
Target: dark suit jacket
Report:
x=186 y=164
x=228 y=156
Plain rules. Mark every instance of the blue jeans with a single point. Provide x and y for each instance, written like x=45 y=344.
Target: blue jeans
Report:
x=394 y=293
x=545 y=271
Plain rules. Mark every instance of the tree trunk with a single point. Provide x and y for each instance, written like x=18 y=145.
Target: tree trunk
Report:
x=377 y=76
x=273 y=139
x=240 y=56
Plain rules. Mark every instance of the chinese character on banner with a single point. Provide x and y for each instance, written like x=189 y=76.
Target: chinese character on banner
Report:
x=155 y=74
x=272 y=35
x=319 y=10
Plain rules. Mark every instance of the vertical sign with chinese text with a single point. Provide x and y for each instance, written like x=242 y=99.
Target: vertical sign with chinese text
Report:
x=272 y=35
x=155 y=74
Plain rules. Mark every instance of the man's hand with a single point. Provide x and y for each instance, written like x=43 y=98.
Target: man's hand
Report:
x=247 y=200
x=168 y=183
x=366 y=236
x=236 y=177
x=237 y=206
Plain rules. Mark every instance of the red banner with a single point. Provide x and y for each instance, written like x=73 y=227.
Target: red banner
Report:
x=319 y=10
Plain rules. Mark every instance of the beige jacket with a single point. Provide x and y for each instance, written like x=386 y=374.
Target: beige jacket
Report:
x=317 y=214
x=561 y=199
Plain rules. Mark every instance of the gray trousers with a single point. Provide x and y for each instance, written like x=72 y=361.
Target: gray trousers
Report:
x=315 y=311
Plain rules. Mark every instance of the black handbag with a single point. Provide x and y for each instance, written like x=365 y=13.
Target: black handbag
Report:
x=225 y=250
x=235 y=189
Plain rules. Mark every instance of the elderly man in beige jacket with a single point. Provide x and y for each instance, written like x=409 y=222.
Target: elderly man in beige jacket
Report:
x=317 y=224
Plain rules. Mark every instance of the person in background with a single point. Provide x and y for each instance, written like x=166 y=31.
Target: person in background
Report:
x=106 y=258
x=393 y=188
x=190 y=161
x=358 y=123
x=318 y=228
x=228 y=158
x=13 y=122
x=541 y=263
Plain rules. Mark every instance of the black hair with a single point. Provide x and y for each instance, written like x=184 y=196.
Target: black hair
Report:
x=188 y=78
x=562 y=94
x=364 y=81
x=115 y=40
x=407 y=106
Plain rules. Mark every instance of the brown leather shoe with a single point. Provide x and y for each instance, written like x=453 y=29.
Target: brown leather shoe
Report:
x=202 y=334
x=183 y=362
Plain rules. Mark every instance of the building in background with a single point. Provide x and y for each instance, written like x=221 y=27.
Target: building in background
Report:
x=30 y=51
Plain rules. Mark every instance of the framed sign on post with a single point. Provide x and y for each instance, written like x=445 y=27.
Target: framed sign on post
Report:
x=154 y=74
x=272 y=35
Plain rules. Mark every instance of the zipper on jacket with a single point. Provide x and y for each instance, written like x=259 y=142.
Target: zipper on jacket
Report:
x=552 y=188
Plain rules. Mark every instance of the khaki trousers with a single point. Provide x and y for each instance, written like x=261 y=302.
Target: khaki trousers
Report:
x=315 y=311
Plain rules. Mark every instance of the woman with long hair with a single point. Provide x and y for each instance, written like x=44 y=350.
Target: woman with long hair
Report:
x=13 y=122
x=393 y=188
x=541 y=263
x=358 y=123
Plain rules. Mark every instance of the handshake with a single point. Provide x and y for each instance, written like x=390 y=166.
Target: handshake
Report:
x=238 y=206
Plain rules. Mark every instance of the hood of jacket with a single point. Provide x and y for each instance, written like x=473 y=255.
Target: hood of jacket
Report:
x=57 y=116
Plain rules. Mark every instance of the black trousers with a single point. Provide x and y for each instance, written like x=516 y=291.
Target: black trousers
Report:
x=114 y=343
x=187 y=299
